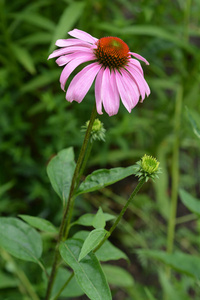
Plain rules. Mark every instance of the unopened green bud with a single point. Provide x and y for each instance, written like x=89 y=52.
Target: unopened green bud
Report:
x=147 y=167
x=97 y=132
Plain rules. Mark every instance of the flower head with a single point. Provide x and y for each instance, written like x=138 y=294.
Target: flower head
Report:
x=147 y=167
x=117 y=74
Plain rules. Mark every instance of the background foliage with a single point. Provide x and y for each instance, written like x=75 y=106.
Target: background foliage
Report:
x=36 y=122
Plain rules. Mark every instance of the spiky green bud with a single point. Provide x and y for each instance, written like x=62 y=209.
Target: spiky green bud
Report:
x=147 y=167
x=97 y=132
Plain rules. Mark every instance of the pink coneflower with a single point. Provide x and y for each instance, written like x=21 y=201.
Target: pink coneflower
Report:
x=118 y=75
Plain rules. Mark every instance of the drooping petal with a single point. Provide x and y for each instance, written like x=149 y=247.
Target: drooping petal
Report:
x=71 y=42
x=139 y=57
x=68 y=50
x=124 y=92
x=82 y=35
x=131 y=86
x=64 y=59
x=137 y=64
x=70 y=67
x=141 y=82
x=98 y=90
x=110 y=95
x=81 y=83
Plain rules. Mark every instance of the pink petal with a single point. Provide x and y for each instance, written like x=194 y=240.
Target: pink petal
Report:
x=82 y=35
x=67 y=50
x=139 y=57
x=98 y=89
x=70 y=67
x=131 y=87
x=126 y=97
x=110 y=95
x=141 y=82
x=82 y=82
x=137 y=64
x=71 y=42
x=64 y=59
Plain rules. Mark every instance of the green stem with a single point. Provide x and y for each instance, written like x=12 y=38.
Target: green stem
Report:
x=136 y=190
x=21 y=275
x=175 y=174
x=63 y=287
x=69 y=203
x=87 y=155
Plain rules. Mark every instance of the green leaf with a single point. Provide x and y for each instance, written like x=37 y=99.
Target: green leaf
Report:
x=19 y=239
x=195 y=128
x=88 y=272
x=106 y=252
x=88 y=219
x=35 y=19
x=101 y=178
x=118 y=276
x=24 y=58
x=183 y=263
x=92 y=240
x=190 y=202
x=99 y=219
x=60 y=171
x=67 y=20
x=39 y=223
x=38 y=38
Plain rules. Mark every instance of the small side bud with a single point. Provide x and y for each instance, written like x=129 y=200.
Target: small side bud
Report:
x=147 y=167
x=98 y=131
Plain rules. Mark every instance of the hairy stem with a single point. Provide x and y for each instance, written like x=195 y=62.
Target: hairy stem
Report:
x=136 y=190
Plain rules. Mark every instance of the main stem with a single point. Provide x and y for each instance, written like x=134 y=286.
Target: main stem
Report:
x=67 y=208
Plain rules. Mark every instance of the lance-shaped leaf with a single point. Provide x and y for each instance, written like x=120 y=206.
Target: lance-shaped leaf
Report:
x=99 y=219
x=20 y=239
x=60 y=171
x=92 y=241
x=39 y=223
x=88 y=219
x=101 y=178
x=195 y=127
x=118 y=276
x=190 y=202
x=88 y=271
x=107 y=250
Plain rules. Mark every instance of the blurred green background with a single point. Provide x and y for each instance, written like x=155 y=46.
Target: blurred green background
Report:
x=36 y=121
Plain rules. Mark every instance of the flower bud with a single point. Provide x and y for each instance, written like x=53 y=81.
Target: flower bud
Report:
x=147 y=167
x=97 y=132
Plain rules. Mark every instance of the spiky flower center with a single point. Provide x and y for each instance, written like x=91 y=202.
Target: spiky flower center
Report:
x=112 y=52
